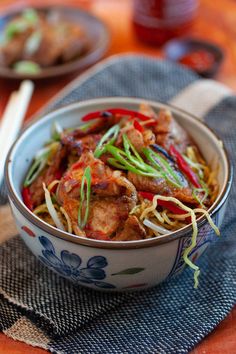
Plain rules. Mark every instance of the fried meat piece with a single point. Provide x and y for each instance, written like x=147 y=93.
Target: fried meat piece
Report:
x=169 y=132
x=131 y=231
x=162 y=187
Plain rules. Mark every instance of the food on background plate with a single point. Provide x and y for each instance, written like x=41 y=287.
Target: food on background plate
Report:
x=121 y=176
x=35 y=39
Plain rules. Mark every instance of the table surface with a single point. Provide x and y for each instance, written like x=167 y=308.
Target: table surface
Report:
x=216 y=22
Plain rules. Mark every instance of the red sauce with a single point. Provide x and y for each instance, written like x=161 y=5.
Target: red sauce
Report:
x=199 y=60
x=157 y=21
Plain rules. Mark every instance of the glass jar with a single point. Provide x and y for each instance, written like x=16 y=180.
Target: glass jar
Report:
x=157 y=21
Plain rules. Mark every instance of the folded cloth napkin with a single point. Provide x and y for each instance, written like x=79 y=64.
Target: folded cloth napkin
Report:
x=42 y=309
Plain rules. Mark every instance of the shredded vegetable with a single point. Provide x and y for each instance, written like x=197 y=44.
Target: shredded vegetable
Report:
x=26 y=195
x=52 y=210
x=184 y=167
x=82 y=219
x=69 y=225
x=130 y=164
x=115 y=111
x=161 y=164
x=108 y=138
x=56 y=131
x=35 y=169
x=138 y=126
x=53 y=184
x=42 y=208
x=155 y=227
x=192 y=214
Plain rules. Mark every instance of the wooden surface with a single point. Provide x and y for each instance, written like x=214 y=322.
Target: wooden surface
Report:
x=216 y=22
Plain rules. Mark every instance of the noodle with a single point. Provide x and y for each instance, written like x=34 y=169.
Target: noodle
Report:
x=69 y=225
x=189 y=213
x=167 y=219
x=52 y=184
x=42 y=208
x=52 y=210
x=111 y=165
x=158 y=216
x=151 y=208
x=209 y=219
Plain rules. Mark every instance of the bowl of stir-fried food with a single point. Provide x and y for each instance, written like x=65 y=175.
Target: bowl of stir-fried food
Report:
x=118 y=193
x=49 y=41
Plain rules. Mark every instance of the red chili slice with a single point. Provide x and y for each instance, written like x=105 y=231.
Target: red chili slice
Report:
x=184 y=167
x=57 y=176
x=166 y=204
x=171 y=206
x=147 y=195
x=138 y=126
x=114 y=111
x=27 y=198
x=91 y=116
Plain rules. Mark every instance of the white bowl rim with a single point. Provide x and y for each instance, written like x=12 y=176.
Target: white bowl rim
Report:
x=53 y=231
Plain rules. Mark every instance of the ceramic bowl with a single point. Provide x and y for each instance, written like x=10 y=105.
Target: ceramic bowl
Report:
x=111 y=265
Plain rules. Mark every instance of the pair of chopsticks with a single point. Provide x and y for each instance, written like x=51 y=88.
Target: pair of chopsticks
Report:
x=12 y=120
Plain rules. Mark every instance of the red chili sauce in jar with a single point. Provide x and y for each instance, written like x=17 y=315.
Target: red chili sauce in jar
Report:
x=199 y=60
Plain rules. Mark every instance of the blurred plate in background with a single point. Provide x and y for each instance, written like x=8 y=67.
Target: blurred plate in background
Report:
x=96 y=32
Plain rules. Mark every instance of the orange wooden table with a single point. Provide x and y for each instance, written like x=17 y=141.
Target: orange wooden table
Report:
x=216 y=22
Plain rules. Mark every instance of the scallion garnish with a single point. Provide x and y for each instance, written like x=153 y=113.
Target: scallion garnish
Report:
x=112 y=161
x=36 y=168
x=129 y=158
x=195 y=166
x=15 y=27
x=137 y=159
x=159 y=162
x=26 y=67
x=204 y=190
x=129 y=146
x=40 y=161
x=82 y=219
x=31 y=16
x=108 y=138
x=85 y=126
x=28 y=18
x=123 y=160
x=56 y=131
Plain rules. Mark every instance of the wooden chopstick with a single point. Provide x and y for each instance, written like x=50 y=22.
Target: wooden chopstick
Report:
x=12 y=120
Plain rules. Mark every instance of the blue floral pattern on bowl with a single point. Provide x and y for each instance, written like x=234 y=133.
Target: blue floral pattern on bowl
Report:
x=69 y=265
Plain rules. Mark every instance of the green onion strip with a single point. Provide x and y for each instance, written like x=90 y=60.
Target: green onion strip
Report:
x=120 y=160
x=129 y=158
x=82 y=220
x=38 y=165
x=159 y=162
x=112 y=134
x=56 y=131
